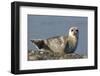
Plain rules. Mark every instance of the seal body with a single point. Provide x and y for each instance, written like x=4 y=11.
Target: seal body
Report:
x=60 y=44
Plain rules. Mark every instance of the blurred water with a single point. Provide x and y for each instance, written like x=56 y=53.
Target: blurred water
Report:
x=42 y=27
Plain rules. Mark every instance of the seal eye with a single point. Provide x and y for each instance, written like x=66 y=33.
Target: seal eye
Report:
x=72 y=30
x=76 y=30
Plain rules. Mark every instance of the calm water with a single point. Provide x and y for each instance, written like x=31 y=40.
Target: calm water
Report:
x=42 y=27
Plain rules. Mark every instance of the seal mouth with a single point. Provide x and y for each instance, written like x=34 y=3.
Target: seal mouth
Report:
x=75 y=33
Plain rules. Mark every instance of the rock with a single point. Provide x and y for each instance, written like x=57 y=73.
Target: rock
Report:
x=46 y=55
